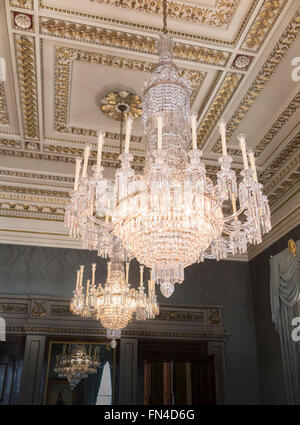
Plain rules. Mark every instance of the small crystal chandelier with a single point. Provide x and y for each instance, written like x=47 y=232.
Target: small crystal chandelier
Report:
x=115 y=303
x=173 y=214
x=75 y=363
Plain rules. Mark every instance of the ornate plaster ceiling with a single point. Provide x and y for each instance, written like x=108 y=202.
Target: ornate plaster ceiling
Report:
x=63 y=56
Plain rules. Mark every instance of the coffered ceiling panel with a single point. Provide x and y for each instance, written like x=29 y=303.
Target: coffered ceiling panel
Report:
x=63 y=56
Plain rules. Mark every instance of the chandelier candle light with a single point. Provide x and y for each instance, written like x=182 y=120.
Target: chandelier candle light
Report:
x=172 y=215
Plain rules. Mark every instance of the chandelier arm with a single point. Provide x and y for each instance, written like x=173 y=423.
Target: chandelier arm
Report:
x=233 y=216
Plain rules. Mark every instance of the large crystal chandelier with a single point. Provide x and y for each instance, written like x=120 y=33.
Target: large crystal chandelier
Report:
x=173 y=214
x=115 y=303
x=75 y=363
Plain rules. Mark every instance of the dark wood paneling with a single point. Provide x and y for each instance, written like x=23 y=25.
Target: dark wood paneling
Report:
x=11 y=364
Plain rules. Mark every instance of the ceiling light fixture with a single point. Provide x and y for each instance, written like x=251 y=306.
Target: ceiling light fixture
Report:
x=173 y=214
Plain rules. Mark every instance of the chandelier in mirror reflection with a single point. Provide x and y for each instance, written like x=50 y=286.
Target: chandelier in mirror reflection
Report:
x=77 y=362
x=115 y=303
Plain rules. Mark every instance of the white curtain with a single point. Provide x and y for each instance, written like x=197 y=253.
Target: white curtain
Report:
x=285 y=304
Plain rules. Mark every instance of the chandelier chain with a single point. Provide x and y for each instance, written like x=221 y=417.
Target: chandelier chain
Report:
x=165 y=31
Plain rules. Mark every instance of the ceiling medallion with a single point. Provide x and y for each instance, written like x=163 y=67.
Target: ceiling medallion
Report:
x=116 y=103
x=241 y=62
x=23 y=21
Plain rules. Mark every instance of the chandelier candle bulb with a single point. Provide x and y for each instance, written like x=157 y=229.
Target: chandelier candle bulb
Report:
x=222 y=130
x=93 y=273
x=108 y=271
x=252 y=163
x=77 y=172
x=141 y=276
x=194 y=129
x=100 y=147
x=159 y=131
x=86 y=159
x=81 y=276
x=126 y=273
x=78 y=279
x=242 y=140
x=87 y=290
x=128 y=132
x=233 y=201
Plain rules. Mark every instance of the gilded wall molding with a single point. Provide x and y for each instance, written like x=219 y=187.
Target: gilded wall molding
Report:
x=3 y=105
x=123 y=40
x=263 y=23
x=219 y=16
x=27 y=79
x=263 y=77
x=64 y=56
x=221 y=99
x=287 y=175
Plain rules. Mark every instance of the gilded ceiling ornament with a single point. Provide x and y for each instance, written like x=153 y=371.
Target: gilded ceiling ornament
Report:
x=26 y=69
x=3 y=105
x=223 y=95
x=32 y=146
x=219 y=16
x=132 y=103
x=23 y=21
x=11 y=143
x=39 y=309
x=153 y=29
x=124 y=40
x=241 y=62
x=263 y=23
x=263 y=77
x=23 y=4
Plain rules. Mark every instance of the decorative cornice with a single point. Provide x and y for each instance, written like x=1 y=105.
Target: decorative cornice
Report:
x=126 y=41
x=263 y=77
x=278 y=124
x=62 y=158
x=264 y=21
x=290 y=151
x=221 y=99
x=27 y=79
x=34 y=191
x=38 y=176
x=219 y=16
x=3 y=105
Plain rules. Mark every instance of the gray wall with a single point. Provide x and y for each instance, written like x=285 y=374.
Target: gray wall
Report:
x=51 y=271
x=268 y=345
